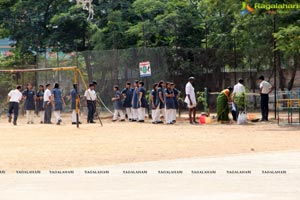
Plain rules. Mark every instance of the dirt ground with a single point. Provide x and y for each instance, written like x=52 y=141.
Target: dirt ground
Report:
x=52 y=147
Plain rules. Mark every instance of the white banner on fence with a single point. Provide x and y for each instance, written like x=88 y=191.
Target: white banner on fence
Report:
x=145 y=69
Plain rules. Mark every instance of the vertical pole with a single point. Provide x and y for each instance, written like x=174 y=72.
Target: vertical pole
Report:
x=275 y=63
x=235 y=56
x=37 y=66
x=77 y=98
x=57 y=65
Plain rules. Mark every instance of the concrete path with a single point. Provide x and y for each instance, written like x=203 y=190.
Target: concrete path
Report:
x=265 y=176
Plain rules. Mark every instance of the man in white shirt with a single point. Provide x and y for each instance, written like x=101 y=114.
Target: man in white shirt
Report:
x=90 y=101
x=14 y=97
x=239 y=98
x=265 y=89
x=190 y=100
x=48 y=104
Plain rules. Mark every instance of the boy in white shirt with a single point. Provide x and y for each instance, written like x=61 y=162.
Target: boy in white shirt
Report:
x=48 y=104
x=14 y=97
x=90 y=101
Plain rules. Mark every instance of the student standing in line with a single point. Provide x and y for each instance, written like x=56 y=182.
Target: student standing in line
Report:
x=190 y=100
x=169 y=99
x=127 y=92
x=74 y=95
x=40 y=102
x=117 y=105
x=135 y=101
x=14 y=97
x=154 y=104
x=57 y=103
x=48 y=104
x=176 y=104
x=142 y=102
x=161 y=96
x=90 y=101
x=265 y=89
x=30 y=98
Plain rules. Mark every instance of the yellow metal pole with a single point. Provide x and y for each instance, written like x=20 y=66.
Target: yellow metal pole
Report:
x=77 y=97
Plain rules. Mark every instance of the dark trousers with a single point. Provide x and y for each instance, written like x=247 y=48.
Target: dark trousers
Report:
x=48 y=112
x=13 y=107
x=264 y=106
x=91 y=110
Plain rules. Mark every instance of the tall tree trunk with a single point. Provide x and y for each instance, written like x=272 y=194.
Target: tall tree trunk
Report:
x=280 y=72
x=295 y=68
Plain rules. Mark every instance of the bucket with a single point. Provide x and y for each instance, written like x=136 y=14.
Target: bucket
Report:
x=251 y=116
x=207 y=120
x=202 y=119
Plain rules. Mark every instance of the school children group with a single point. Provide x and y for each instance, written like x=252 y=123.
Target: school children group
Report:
x=44 y=101
x=163 y=101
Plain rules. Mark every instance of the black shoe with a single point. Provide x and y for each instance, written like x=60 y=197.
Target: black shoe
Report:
x=74 y=123
x=174 y=121
x=133 y=120
x=141 y=121
x=9 y=119
x=160 y=122
x=41 y=122
x=92 y=122
x=154 y=122
x=15 y=123
x=113 y=120
x=122 y=120
x=59 y=121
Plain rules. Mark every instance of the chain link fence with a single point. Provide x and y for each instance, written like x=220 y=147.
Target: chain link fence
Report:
x=214 y=69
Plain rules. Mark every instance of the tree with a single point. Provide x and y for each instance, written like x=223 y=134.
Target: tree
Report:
x=288 y=41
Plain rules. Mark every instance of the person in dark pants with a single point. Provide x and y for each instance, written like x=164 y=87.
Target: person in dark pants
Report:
x=91 y=99
x=14 y=97
x=265 y=89
x=48 y=104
